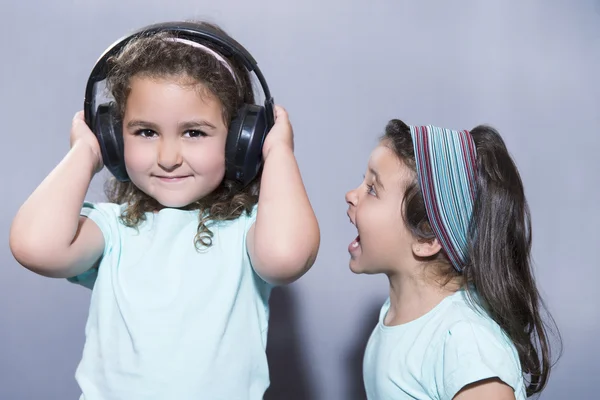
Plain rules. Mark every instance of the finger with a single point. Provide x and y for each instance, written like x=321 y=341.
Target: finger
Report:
x=281 y=114
x=79 y=124
x=78 y=115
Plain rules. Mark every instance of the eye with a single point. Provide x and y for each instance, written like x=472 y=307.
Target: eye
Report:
x=371 y=190
x=146 y=133
x=194 y=134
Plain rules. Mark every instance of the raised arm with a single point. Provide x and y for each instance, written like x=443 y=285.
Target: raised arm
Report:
x=47 y=235
x=284 y=240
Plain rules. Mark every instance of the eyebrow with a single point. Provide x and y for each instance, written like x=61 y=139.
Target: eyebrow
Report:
x=136 y=123
x=377 y=179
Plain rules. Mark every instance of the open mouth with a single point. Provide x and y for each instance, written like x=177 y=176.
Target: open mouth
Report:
x=354 y=247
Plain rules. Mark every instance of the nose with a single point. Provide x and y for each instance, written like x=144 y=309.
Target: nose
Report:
x=352 y=197
x=169 y=154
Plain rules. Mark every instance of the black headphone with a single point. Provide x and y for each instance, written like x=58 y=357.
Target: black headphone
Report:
x=247 y=131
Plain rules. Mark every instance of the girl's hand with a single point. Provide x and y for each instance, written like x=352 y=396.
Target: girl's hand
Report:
x=281 y=134
x=81 y=135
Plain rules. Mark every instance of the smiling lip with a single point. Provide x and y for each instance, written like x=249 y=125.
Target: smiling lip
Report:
x=172 y=179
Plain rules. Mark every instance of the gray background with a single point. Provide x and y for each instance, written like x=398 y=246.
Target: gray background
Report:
x=342 y=69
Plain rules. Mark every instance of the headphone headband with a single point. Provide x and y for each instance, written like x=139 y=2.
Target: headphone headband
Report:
x=228 y=47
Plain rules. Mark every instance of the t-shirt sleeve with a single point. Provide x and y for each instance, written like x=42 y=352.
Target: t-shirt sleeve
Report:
x=473 y=352
x=249 y=220
x=103 y=216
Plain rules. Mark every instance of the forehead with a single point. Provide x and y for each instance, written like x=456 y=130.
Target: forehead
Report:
x=171 y=93
x=389 y=167
x=172 y=85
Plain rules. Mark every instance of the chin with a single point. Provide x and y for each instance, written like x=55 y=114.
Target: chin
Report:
x=174 y=202
x=361 y=269
x=356 y=267
x=175 y=199
x=178 y=195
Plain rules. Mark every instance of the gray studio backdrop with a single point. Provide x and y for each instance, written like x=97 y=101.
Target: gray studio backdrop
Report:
x=342 y=68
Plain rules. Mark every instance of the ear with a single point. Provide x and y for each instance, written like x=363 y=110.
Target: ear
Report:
x=426 y=249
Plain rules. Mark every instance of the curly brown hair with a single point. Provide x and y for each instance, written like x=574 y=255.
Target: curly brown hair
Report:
x=155 y=56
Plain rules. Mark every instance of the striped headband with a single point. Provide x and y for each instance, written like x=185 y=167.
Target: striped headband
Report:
x=446 y=167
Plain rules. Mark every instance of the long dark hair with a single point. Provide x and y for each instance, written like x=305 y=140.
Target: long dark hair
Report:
x=499 y=265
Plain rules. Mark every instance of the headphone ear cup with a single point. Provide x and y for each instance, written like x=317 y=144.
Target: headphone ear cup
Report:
x=243 y=149
x=109 y=133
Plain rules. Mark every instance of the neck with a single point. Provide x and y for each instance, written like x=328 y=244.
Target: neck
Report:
x=414 y=295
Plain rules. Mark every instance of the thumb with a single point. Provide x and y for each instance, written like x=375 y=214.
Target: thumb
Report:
x=78 y=116
x=79 y=123
x=281 y=115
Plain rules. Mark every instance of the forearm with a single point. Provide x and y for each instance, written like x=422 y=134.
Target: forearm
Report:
x=49 y=218
x=286 y=226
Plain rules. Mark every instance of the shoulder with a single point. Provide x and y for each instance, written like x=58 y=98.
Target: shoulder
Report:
x=245 y=219
x=468 y=320
x=474 y=348
x=101 y=210
x=106 y=217
x=248 y=217
x=477 y=338
x=242 y=225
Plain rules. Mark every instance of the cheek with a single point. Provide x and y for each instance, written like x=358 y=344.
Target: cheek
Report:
x=381 y=228
x=373 y=216
x=207 y=159
x=138 y=157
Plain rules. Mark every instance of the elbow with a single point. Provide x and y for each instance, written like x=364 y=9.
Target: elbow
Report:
x=19 y=246
x=285 y=264
x=31 y=256
x=17 y=250
x=282 y=270
x=23 y=252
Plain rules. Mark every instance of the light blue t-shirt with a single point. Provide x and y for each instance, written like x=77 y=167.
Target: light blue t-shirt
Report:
x=436 y=355
x=169 y=322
